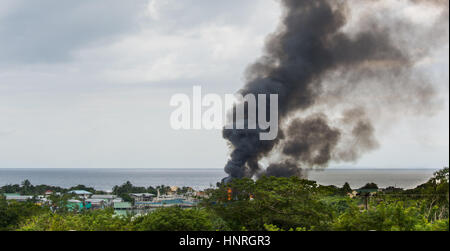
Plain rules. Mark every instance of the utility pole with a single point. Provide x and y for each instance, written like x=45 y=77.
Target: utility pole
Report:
x=366 y=201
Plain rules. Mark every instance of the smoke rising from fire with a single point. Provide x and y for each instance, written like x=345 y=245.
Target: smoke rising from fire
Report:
x=327 y=66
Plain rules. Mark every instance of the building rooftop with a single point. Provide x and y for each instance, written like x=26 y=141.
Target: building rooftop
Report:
x=142 y=195
x=104 y=196
x=122 y=205
x=19 y=197
x=11 y=194
x=95 y=200
x=80 y=192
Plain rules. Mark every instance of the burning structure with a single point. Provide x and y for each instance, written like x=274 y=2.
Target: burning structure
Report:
x=334 y=67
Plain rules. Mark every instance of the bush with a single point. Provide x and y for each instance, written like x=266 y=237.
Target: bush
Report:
x=101 y=220
x=441 y=225
x=13 y=213
x=175 y=219
x=288 y=203
x=385 y=217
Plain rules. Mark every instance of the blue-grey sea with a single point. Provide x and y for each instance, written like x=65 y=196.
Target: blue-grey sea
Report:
x=106 y=179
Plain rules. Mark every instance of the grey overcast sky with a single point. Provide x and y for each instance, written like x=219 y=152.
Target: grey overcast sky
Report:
x=87 y=83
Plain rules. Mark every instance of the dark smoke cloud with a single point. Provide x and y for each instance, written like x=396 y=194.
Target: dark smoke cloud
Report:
x=360 y=137
x=311 y=141
x=312 y=63
x=285 y=169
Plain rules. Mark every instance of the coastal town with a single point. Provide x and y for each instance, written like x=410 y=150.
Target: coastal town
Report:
x=136 y=204
x=266 y=204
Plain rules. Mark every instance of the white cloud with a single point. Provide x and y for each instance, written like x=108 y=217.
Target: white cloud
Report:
x=50 y=30
x=96 y=105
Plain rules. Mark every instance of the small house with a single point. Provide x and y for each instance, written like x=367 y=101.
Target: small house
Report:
x=81 y=193
x=18 y=198
x=142 y=197
x=123 y=208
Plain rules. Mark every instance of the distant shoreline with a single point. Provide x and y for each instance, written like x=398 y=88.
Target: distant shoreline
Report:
x=200 y=179
x=216 y=169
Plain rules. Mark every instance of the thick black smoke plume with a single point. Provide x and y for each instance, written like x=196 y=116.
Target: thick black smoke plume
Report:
x=322 y=59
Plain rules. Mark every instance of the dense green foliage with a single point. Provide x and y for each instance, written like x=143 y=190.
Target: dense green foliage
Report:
x=102 y=220
x=175 y=219
x=370 y=186
x=268 y=204
x=287 y=203
x=385 y=217
x=12 y=214
x=167 y=219
x=26 y=188
x=127 y=188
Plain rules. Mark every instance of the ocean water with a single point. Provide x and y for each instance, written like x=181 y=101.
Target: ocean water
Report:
x=402 y=178
x=106 y=179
